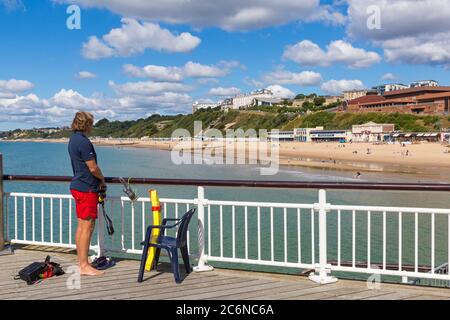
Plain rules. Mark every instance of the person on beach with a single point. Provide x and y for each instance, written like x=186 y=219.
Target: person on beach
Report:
x=86 y=182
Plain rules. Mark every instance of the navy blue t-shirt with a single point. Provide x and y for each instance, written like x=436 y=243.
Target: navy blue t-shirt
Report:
x=82 y=150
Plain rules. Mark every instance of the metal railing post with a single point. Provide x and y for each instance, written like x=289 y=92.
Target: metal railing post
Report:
x=100 y=234
x=202 y=258
x=3 y=248
x=322 y=269
x=2 y=221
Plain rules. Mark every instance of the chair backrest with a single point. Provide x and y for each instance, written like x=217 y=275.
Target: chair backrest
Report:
x=183 y=227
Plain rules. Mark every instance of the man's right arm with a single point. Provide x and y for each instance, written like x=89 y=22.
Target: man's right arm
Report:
x=95 y=170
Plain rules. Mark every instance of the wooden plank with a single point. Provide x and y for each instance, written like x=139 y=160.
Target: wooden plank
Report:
x=260 y=294
x=112 y=276
x=59 y=283
x=426 y=297
x=151 y=290
x=100 y=288
x=297 y=291
x=184 y=292
x=330 y=294
x=205 y=287
x=245 y=289
x=117 y=270
x=361 y=295
x=399 y=295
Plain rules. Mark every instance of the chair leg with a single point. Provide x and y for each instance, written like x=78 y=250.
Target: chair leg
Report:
x=173 y=254
x=155 y=262
x=144 y=255
x=185 y=255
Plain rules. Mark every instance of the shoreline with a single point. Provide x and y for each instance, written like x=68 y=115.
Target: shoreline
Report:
x=421 y=159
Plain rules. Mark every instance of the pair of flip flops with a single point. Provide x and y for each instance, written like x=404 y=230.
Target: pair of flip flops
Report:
x=102 y=263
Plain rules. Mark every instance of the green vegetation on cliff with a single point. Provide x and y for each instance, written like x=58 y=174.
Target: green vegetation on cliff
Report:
x=163 y=126
x=345 y=120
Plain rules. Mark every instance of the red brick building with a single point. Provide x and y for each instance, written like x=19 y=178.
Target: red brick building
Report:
x=420 y=100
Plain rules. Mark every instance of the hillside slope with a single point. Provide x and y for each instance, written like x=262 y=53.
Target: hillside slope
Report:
x=163 y=126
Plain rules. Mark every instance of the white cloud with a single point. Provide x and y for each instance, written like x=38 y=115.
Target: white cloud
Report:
x=12 y=5
x=132 y=101
x=158 y=73
x=15 y=86
x=338 y=86
x=177 y=74
x=253 y=83
x=304 y=78
x=399 y=18
x=224 y=92
x=231 y=15
x=389 y=76
x=419 y=50
x=134 y=38
x=70 y=99
x=148 y=88
x=197 y=70
x=208 y=81
x=281 y=92
x=96 y=49
x=309 y=53
x=411 y=31
x=85 y=75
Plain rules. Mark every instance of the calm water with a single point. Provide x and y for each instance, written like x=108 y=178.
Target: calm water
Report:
x=52 y=159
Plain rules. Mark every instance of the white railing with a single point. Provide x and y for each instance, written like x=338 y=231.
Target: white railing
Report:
x=388 y=241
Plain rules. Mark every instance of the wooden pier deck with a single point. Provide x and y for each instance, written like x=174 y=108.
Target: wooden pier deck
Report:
x=120 y=282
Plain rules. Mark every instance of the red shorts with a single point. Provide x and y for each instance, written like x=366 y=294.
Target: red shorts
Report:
x=86 y=204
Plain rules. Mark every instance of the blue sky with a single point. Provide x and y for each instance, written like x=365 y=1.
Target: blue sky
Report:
x=290 y=46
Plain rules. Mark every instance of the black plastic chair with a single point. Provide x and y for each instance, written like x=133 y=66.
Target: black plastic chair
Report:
x=170 y=244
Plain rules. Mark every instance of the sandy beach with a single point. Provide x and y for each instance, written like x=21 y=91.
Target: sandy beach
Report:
x=410 y=158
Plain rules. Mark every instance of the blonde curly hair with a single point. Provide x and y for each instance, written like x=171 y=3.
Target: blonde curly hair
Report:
x=82 y=121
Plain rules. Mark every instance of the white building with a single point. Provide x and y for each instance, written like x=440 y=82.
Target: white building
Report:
x=266 y=101
x=281 y=135
x=245 y=100
x=317 y=134
x=381 y=89
x=303 y=134
x=203 y=105
x=353 y=94
x=425 y=83
x=330 y=135
x=372 y=132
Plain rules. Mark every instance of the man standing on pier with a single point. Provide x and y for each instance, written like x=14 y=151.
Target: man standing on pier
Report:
x=86 y=182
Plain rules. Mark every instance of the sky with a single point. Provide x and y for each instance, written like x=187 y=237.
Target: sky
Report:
x=130 y=59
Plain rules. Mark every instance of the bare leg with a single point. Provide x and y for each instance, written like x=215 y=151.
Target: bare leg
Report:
x=83 y=240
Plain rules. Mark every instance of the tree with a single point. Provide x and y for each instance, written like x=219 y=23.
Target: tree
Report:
x=307 y=105
x=101 y=122
x=318 y=101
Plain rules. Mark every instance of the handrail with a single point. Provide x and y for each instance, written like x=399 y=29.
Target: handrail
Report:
x=252 y=183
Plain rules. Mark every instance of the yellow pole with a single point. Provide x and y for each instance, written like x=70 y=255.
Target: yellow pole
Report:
x=156 y=210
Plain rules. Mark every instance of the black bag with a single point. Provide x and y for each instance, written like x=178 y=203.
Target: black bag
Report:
x=39 y=270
